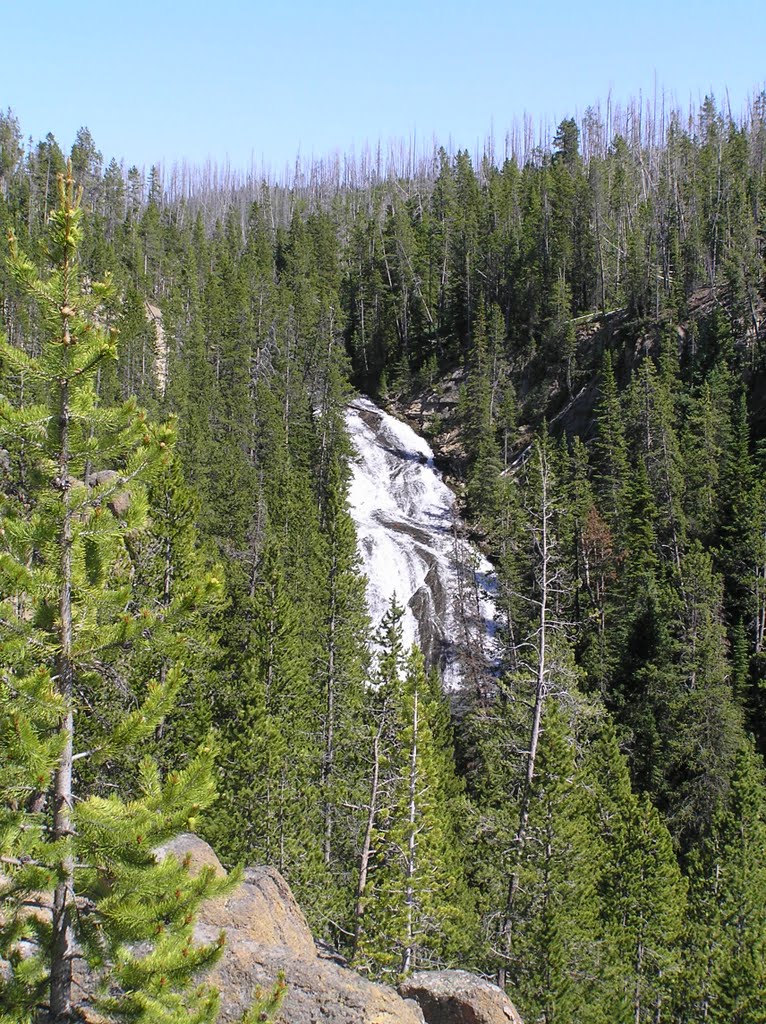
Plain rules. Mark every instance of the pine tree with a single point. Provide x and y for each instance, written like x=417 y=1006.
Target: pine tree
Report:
x=378 y=713
x=417 y=912
x=653 y=402
x=642 y=894
x=30 y=712
x=594 y=566
x=172 y=573
x=545 y=668
x=244 y=825
x=343 y=664
x=270 y=693
x=556 y=955
x=610 y=447
x=65 y=576
x=707 y=437
x=725 y=953
x=483 y=487
x=700 y=720
x=742 y=538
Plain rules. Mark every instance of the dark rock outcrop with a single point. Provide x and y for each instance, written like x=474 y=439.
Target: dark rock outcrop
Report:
x=457 y=997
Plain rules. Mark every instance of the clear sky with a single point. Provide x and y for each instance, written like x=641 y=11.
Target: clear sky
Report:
x=233 y=80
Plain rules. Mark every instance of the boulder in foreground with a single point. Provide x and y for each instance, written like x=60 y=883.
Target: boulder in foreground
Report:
x=267 y=932
x=457 y=997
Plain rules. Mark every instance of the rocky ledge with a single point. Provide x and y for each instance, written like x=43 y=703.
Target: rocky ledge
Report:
x=457 y=997
x=267 y=933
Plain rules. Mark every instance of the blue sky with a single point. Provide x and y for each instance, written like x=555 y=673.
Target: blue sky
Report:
x=232 y=80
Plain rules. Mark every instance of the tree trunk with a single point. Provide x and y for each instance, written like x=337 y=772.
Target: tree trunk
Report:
x=62 y=945
x=329 y=747
x=544 y=545
x=364 y=859
x=408 y=957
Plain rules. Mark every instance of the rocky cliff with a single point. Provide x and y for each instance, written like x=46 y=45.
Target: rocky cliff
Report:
x=267 y=934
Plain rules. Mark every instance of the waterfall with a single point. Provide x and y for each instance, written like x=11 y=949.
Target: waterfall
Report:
x=411 y=545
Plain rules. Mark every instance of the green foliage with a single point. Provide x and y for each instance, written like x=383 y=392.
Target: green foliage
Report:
x=66 y=573
x=234 y=554
x=725 y=951
x=417 y=908
x=556 y=951
x=642 y=894
x=266 y=1005
x=30 y=711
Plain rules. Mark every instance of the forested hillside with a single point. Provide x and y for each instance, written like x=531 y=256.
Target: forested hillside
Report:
x=588 y=824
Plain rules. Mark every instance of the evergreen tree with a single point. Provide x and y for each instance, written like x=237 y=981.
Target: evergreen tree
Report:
x=483 y=487
x=177 y=576
x=657 y=594
x=418 y=911
x=285 y=830
x=557 y=952
x=642 y=894
x=543 y=673
x=653 y=416
x=343 y=670
x=245 y=822
x=725 y=953
x=610 y=447
x=66 y=572
x=379 y=715
x=708 y=430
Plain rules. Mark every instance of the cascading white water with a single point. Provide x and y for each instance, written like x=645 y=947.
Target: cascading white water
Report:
x=410 y=545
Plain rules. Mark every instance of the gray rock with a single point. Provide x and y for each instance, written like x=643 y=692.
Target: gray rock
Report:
x=317 y=990
x=195 y=851
x=262 y=910
x=267 y=933
x=457 y=997
x=120 y=504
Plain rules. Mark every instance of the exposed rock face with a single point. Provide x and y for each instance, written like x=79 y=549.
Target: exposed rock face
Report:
x=154 y=316
x=457 y=997
x=266 y=932
x=262 y=910
x=195 y=851
x=317 y=990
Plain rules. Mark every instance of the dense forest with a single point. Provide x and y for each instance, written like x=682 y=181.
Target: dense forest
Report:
x=179 y=572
